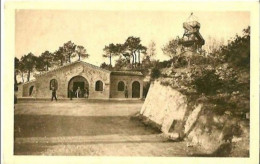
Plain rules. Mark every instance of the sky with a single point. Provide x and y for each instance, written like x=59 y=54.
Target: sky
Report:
x=39 y=30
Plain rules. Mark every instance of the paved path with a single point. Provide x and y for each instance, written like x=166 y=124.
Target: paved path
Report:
x=94 y=128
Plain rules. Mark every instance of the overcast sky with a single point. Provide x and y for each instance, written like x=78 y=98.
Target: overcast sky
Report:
x=40 y=30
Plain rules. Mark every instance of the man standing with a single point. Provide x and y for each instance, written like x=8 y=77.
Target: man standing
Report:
x=78 y=92
x=126 y=92
x=86 y=93
x=53 y=93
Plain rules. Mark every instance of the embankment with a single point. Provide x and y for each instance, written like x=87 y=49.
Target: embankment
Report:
x=170 y=111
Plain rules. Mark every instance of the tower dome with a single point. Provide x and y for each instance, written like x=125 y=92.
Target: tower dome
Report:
x=192 y=23
x=192 y=38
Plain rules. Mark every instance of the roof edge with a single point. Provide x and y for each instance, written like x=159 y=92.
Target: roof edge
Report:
x=69 y=64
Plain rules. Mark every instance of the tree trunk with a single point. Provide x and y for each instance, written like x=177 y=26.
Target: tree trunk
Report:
x=28 y=76
x=139 y=58
x=79 y=57
x=61 y=62
x=133 y=60
x=110 y=59
x=22 y=77
x=136 y=60
x=15 y=80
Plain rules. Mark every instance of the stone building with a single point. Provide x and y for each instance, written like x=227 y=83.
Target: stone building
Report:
x=98 y=83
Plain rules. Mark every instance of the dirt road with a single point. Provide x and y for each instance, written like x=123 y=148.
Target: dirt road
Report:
x=88 y=128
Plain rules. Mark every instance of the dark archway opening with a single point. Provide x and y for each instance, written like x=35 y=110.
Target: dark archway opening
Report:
x=136 y=89
x=31 y=90
x=78 y=86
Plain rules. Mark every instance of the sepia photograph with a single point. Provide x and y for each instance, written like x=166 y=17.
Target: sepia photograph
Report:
x=136 y=82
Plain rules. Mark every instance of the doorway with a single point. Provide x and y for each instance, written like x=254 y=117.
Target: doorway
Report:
x=136 y=89
x=80 y=85
x=78 y=82
x=31 y=90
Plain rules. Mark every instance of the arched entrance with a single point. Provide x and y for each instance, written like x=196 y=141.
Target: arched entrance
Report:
x=31 y=90
x=78 y=82
x=136 y=89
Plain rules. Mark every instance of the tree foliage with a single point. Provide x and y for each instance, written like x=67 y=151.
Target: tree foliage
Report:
x=110 y=51
x=64 y=54
x=81 y=52
x=59 y=56
x=155 y=73
x=16 y=71
x=237 y=51
x=208 y=83
x=105 y=66
x=22 y=69
x=122 y=64
x=29 y=62
x=69 y=50
x=40 y=66
x=171 y=48
x=130 y=49
x=134 y=48
x=44 y=61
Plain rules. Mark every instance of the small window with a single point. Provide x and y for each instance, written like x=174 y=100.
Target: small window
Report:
x=99 y=86
x=54 y=83
x=31 y=90
x=121 y=86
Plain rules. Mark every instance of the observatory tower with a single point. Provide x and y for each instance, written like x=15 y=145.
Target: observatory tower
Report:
x=192 y=39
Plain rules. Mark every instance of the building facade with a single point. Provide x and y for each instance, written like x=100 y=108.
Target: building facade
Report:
x=92 y=81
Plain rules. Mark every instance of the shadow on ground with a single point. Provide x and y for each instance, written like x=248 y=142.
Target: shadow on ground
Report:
x=226 y=150
x=55 y=126
x=223 y=151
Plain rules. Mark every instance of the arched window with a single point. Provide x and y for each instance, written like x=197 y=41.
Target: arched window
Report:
x=54 y=83
x=121 y=86
x=99 y=86
x=31 y=90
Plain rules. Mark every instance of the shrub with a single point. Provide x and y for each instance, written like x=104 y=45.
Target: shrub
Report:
x=207 y=83
x=155 y=73
x=180 y=62
x=106 y=66
x=162 y=64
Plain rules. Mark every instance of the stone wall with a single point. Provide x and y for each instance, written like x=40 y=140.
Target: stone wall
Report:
x=19 y=92
x=66 y=73
x=25 y=89
x=128 y=81
x=163 y=106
